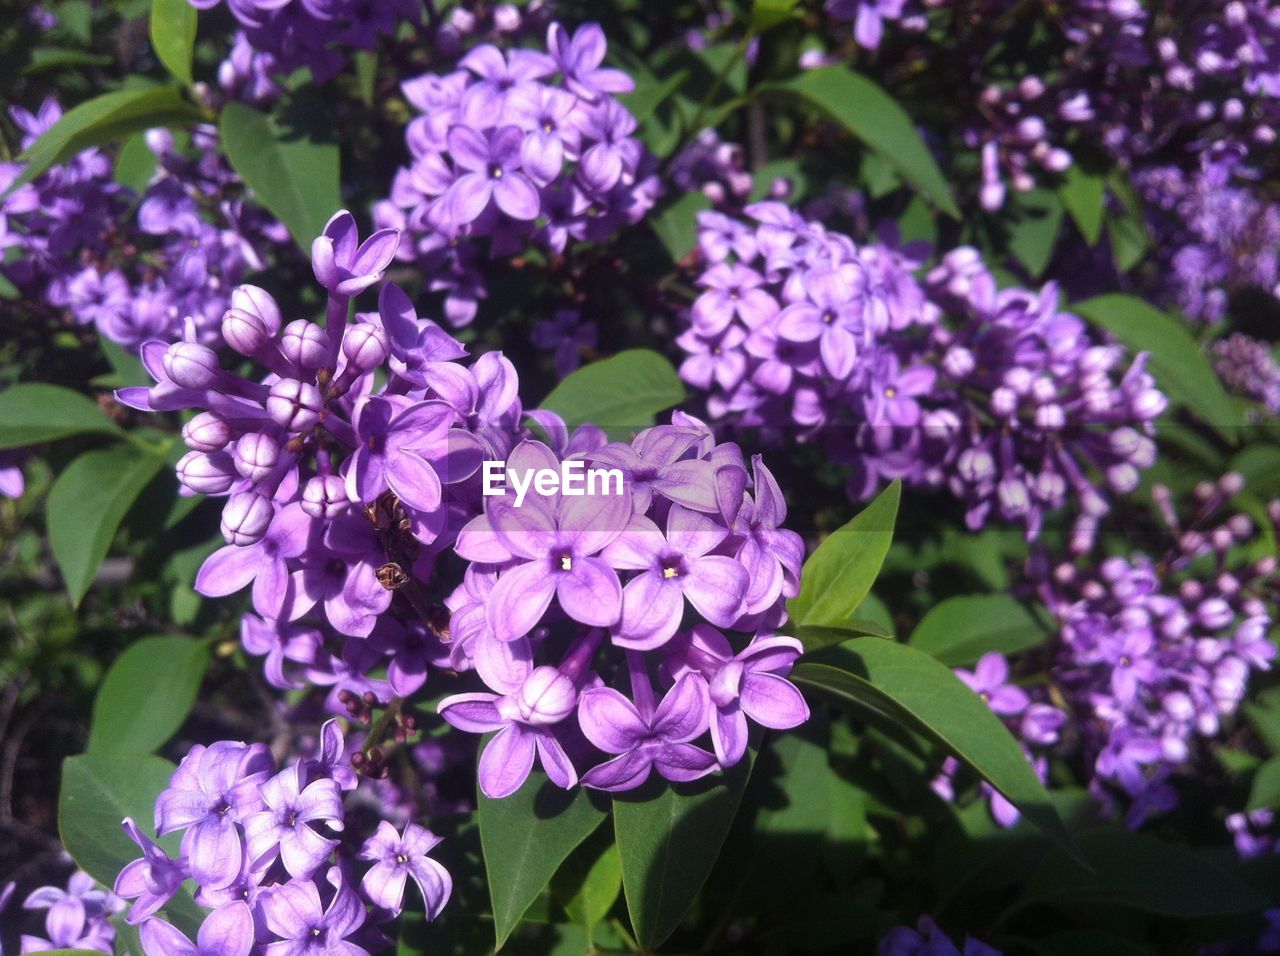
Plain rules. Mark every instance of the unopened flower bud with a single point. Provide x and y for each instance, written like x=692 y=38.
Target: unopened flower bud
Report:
x=305 y=344
x=192 y=366
x=246 y=517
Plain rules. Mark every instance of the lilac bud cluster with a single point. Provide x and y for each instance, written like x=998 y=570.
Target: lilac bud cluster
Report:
x=345 y=500
x=1248 y=366
x=169 y=269
x=315 y=33
x=1035 y=722
x=77 y=917
x=995 y=394
x=272 y=859
x=502 y=23
x=1157 y=653
x=558 y=579
x=518 y=147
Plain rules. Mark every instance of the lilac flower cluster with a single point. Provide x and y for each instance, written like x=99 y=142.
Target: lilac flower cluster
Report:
x=553 y=581
x=927 y=939
x=1157 y=652
x=343 y=499
x=270 y=856
x=315 y=33
x=995 y=394
x=1216 y=234
x=193 y=238
x=1029 y=716
x=517 y=147
x=77 y=917
x=1248 y=366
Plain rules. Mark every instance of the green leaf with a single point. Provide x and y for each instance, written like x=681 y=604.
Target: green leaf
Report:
x=1265 y=792
x=961 y=629
x=526 y=837
x=135 y=165
x=816 y=636
x=619 y=393
x=35 y=412
x=1138 y=872
x=1033 y=232
x=677 y=224
x=98 y=791
x=912 y=689
x=173 y=34
x=1127 y=233
x=290 y=172
x=87 y=504
x=104 y=119
x=1182 y=371
x=669 y=837
x=767 y=14
x=591 y=879
x=839 y=574
x=52 y=58
x=147 y=694
x=1082 y=194
x=1260 y=466
x=872 y=115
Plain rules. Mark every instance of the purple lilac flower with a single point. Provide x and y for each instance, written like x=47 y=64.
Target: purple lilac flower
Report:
x=398 y=857
x=12 y=482
x=509 y=140
x=1157 y=653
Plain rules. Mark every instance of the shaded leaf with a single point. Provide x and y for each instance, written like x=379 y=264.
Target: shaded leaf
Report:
x=290 y=172
x=100 y=790
x=767 y=14
x=1182 y=371
x=677 y=224
x=1138 y=872
x=914 y=690
x=147 y=694
x=872 y=115
x=86 y=505
x=173 y=34
x=591 y=879
x=620 y=393
x=961 y=629
x=1082 y=193
x=1034 y=230
x=35 y=412
x=526 y=837
x=1264 y=794
x=839 y=574
x=104 y=119
x=669 y=837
